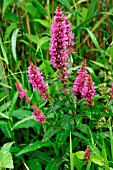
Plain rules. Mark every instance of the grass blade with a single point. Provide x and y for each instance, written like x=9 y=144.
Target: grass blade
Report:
x=13 y=43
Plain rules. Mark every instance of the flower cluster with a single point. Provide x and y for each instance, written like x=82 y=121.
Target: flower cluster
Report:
x=88 y=90
x=22 y=92
x=87 y=154
x=80 y=80
x=38 y=114
x=83 y=84
x=111 y=92
x=37 y=80
x=61 y=38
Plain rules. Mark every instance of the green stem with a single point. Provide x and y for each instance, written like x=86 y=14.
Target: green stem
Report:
x=71 y=154
x=111 y=140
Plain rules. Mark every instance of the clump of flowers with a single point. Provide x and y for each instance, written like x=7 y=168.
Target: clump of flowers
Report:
x=87 y=154
x=83 y=85
x=111 y=92
x=40 y=117
x=80 y=80
x=88 y=90
x=37 y=80
x=61 y=39
x=22 y=92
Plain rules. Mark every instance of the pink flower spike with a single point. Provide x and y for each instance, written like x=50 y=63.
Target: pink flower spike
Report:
x=88 y=90
x=27 y=99
x=111 y=92
x=87 y=154
x=37 y=80
x=40 y=117
x=21 y=91
x=80 y=80
x=61 y=41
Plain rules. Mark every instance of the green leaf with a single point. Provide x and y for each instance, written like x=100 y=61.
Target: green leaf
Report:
x=51 y=166
x=99 y=64
x=104 y=154
x=43 y=22
x=34 y=146
x=6 y=159
x=13 y=43
x=9 y=30
x=4 y=107
x=79 y=135
x=40 y=7
x=25 y=123
x=111 y=138
x=28 y=44
x=13 y=101
x=6 y=3
x=93 y=38
x=78 y=163
x=3 y=122
x=95 y=78
x=21 y=114
x=3 y=115
x=50 y=132
x=29 y=8
x=91 y=10
x=7 y=146
x=12 y=17
x=71 y=154
x=32 y=38
x=4 y=52
x=67 y=5
x=98 y=160
x=80 y=154
x=34 y=164
x=6 y=130
x=46 y=65
x=43 y=40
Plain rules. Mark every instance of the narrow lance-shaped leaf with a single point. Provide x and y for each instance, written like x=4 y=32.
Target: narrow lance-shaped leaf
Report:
x=4 y=52
x=13 y=43
x=93 y=38
x=6 y=3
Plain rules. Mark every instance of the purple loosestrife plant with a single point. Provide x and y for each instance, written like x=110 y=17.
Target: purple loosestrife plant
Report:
x=37 y=80
x=80 y=80
x=87 y=154
x=61 y=39
x=22 y=92
x=88 y=90
x=83 y=84
x=40 y=117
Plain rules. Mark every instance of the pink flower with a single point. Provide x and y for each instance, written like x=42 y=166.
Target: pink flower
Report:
x=61 y=40
x=87 y=154
x=27 y=99
x=111 y=92
x=21 y=91
x=63 y=74
x=80 y=80
x=40 y=117
x=83 y=84
x=37 y=80
x=88 y=90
